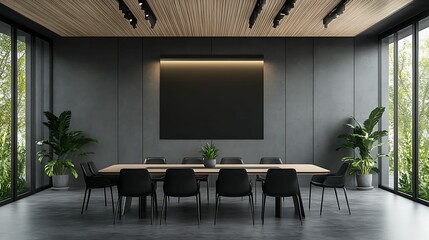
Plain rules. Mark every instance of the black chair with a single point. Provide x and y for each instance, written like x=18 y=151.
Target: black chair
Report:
x=135 y=183
x=261 y=178
x=93 y=182
x=94 y=171
x=332 y=180
x=181 y=183
x=200 y=178
x=231 y=160
x=156 y=160
x=234 y=183
x=281 y=183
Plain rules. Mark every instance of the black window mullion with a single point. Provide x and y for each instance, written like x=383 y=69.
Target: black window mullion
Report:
x=415 y=110
x=14 y=119
x=33 y=156
x=395 y=111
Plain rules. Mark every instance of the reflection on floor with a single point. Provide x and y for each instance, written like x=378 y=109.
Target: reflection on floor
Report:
x=376 y=214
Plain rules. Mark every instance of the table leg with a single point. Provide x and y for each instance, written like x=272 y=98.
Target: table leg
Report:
x=142 y=206
x=278 y=207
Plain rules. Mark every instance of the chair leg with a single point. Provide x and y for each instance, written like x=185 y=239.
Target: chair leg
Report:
x=105 y=198
x=151 y=210
x=217 y=207
x=309 y=198
x=199 y=202
x=111 y=195
x=338 y=202
x=198 y=209
x=83 y=203
x=163 y=210
x=208 y=190
x=256 y=190
x=347 y=200
x=156 y=205
x=263 y=208
x=299 y=207
x=87 y=201
x=252 y=208
x=321 y=204
x=118 y=209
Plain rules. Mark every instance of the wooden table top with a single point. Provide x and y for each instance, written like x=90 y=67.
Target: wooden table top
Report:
x=301 y=169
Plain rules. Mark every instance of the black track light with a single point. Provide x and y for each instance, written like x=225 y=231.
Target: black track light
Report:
x=127 y=13
x=258 y=8
x=334 y=13
x=148 y=13
x=286 y=8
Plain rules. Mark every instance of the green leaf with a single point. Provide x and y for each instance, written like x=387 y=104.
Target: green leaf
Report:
x=373 y=118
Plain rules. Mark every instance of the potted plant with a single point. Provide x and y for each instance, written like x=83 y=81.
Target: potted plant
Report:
x=210 y=153
x=364 y=139
x=65 y=145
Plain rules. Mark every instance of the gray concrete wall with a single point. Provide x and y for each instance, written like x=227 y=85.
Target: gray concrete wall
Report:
x=311 y=88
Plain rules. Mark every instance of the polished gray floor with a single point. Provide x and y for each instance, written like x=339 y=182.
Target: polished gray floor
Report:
x=376 y=214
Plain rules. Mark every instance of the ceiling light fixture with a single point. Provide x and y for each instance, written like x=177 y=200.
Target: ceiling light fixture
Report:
x=148 y=13
x=285 y=10
x=334 y=13
x=258 y=8
x=127 y=13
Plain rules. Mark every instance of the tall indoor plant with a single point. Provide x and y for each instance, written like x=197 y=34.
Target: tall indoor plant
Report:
x=210 y=153
x=364 y=139
x=65 y=145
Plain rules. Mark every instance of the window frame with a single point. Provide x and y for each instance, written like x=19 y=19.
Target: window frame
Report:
x=15 y=27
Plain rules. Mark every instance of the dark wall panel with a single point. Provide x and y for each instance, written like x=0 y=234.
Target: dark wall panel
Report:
x=333 y=97
x=85 y=82
x=366 y=79
x=130 y=100
x=299 y=100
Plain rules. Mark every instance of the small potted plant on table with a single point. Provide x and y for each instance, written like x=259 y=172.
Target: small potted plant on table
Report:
x=210 y=153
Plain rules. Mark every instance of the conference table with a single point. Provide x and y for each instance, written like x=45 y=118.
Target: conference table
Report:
x=199 y=169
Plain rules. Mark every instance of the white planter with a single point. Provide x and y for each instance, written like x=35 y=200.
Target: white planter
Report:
x=210 y=163
x=60 y=182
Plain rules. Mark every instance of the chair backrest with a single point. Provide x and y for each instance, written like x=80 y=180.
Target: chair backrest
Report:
x=155 y=160
x=281 y=183
x=134 y=183
x=271 y=160
x=231 y=160
x=193 y=160
x=180 y=182
x=92 y=168
x=86 y=173
x=233 y=183
x=343 y=169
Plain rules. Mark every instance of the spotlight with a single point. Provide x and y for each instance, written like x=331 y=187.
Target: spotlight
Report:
x=286 y=8
x=148 y=13
x=127 y=13
x=258 y=8
x=334 y=13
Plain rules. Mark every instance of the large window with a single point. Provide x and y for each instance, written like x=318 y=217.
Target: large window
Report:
x=24 y=95
x=405 y=80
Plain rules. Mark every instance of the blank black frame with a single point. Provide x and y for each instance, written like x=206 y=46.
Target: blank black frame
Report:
x=211 y=97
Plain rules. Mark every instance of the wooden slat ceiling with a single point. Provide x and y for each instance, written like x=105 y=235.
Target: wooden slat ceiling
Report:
x=203 y=17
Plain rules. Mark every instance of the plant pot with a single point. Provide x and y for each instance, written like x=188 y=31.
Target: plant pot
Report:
x=60 y=182
x=364 y=181
x=211 y=163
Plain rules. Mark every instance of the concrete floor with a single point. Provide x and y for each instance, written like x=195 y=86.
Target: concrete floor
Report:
x=376 y=214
